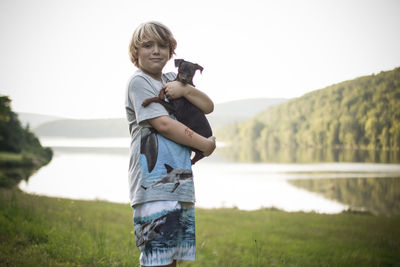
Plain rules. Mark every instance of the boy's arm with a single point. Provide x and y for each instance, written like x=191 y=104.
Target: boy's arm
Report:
x=177 y=89
x=181 y=134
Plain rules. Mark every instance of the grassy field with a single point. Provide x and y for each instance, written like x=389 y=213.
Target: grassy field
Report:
x=41 y=231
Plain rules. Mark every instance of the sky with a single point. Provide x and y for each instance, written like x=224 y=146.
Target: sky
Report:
x=69 y=58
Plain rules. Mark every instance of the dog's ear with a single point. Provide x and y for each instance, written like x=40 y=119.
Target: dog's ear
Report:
x=199 y=68
x=178 y=62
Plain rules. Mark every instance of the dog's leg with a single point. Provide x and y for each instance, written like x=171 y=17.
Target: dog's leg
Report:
x=197 y=156
x=158 y=99
x=168 y=106
x=150 y=100
x=161 y=95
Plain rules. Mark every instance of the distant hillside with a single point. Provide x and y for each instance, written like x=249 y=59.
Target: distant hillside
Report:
x=34 y=120
x=240 y=110
x=360 y=113
x=84 y=128
x=224 y=113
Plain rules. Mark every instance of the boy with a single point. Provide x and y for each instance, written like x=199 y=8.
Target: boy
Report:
x=160 y=175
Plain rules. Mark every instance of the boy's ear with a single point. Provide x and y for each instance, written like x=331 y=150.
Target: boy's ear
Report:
x=199 y=68
x=178 y=62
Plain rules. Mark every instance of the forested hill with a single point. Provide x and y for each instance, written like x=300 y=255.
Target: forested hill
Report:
x=360 y=113
x=18 y=145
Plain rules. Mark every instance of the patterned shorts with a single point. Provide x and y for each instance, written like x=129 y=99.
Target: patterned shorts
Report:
x=165 y=231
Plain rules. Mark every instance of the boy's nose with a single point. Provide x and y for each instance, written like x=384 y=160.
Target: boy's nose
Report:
x=156 y=49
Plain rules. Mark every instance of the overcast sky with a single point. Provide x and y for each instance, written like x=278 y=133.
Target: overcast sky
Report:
x=70 y=57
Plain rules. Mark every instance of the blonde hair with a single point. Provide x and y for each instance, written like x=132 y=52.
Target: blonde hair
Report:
x=154 y=31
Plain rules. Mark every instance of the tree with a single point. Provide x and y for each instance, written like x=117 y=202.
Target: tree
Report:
x=372 y=131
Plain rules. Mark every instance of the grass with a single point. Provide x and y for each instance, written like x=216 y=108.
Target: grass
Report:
x=42 y=231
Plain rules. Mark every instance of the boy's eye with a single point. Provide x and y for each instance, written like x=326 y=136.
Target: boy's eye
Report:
x=151 y=44
x=148 y=44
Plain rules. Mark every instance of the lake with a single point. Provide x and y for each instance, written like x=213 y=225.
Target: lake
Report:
x=97 y=169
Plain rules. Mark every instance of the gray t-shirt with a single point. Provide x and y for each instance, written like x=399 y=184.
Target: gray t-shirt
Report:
x=159 y=169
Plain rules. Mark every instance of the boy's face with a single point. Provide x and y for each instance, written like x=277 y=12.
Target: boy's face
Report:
x=152 y=57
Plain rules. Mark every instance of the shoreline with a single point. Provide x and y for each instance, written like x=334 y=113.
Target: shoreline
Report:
x=15 y=167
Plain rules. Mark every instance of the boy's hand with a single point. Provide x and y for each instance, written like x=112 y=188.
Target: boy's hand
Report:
x=210 y=146
x=176 y=89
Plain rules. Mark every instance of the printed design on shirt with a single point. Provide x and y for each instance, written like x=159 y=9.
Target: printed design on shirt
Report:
x=176 y=177
x=149 y=146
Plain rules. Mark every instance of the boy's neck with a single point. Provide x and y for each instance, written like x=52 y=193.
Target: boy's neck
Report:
x=153 y=75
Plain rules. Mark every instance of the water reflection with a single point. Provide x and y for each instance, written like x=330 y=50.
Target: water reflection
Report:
x=82 y=173
x=380 y=196
x=310 y=155
x=327 y=181
x=11 y=176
